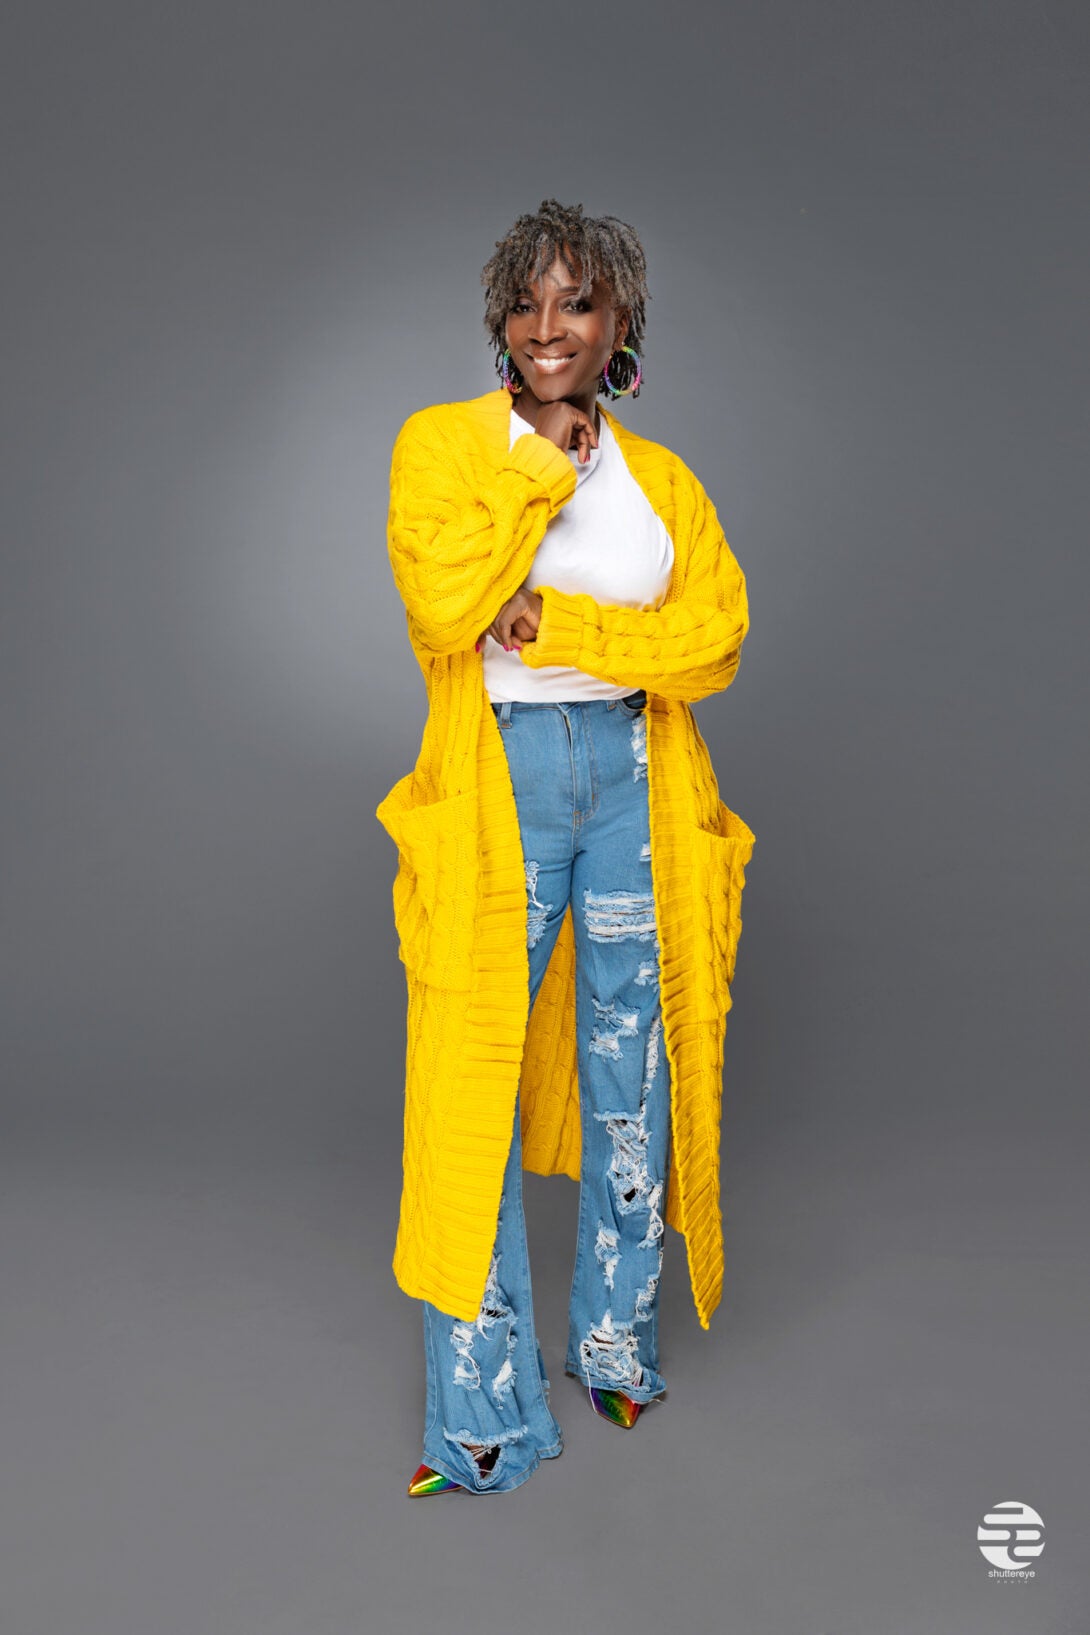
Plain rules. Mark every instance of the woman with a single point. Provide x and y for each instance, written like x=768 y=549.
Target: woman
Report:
x=568 y=889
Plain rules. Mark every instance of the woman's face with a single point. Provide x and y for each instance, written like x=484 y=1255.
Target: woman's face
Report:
x=560 y=342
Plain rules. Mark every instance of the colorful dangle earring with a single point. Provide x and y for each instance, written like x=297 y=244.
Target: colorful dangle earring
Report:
x=508 y=378
x=623 y=391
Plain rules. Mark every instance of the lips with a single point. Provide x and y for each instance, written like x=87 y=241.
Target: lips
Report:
x=551 y=365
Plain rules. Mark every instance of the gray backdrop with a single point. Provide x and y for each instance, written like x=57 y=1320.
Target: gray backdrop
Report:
x=243 y=242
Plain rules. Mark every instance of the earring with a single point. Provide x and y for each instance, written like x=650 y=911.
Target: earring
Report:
x=508 y=379
x=623 y=391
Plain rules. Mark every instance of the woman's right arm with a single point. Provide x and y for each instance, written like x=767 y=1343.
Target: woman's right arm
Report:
x=463 y=529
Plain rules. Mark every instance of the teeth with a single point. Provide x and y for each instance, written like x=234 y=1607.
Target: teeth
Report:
x=550 y=365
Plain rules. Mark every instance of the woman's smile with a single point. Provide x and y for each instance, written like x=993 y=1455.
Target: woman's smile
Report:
x=549 y=365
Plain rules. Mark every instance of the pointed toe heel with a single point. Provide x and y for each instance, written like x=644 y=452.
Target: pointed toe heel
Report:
x=428 y=1481
x=615 y=1407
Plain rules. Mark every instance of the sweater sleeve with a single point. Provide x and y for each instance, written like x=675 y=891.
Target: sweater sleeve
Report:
x=684 y=650
x=461 y=535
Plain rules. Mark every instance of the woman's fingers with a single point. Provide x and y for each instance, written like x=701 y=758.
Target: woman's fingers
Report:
x=516 y=622
x=500 y=628
x=583 y=436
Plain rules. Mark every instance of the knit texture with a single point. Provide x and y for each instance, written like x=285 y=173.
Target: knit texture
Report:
x=467 y=513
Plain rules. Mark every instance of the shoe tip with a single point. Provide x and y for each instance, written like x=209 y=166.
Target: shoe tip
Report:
x=428 y=1481
x=615 y=1406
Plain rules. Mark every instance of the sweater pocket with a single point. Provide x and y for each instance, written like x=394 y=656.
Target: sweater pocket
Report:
x=435 y=889
x=720 y=856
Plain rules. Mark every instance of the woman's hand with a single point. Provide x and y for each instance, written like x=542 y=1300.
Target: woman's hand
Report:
x=517 y=620
x=568 y=427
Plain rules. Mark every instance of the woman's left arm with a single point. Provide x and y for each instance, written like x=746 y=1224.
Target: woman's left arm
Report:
x=686 y=649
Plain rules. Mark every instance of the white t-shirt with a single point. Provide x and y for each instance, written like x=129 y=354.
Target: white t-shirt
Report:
x=608 y=542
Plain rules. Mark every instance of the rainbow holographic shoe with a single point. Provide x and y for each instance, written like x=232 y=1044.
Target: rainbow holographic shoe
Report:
x=615 y=1407
x=428 y=1481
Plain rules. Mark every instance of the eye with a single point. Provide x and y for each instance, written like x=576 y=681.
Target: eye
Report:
x=521 y=306
x=582 y=304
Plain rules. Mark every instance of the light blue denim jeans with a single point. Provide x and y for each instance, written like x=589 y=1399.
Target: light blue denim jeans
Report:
x=579 y=772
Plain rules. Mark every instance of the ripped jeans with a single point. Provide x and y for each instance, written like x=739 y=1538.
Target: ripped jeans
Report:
x=579 y=772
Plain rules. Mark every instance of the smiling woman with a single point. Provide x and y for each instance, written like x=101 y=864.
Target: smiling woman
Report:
x=552 y=317
x=569 y=880
x=564 y=295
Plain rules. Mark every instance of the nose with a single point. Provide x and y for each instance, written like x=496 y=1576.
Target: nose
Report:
x=549 y=325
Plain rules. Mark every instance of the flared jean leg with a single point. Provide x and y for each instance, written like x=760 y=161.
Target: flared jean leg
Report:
x=624 y=1079
x=579 y=775
x=486 y=1382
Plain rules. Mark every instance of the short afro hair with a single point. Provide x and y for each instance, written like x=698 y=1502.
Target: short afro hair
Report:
x=600 y=247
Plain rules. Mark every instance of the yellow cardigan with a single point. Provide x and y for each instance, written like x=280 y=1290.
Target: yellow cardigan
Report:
x=467 y=513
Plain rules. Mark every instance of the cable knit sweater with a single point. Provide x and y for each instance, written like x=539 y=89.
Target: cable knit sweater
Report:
x=467 y=513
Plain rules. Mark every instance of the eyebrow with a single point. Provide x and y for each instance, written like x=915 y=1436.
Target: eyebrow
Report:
x=563 y=289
